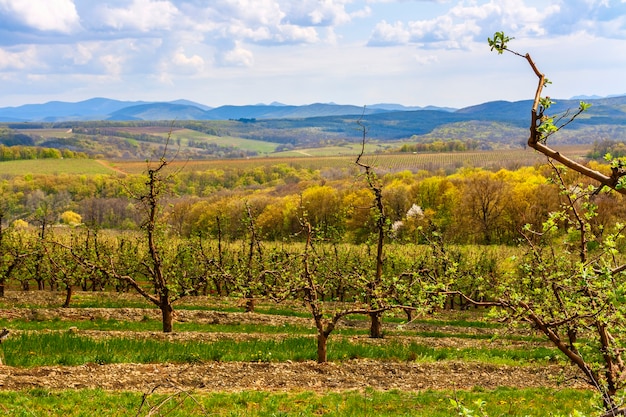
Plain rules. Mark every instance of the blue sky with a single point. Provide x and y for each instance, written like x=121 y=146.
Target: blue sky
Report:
x=216 y=52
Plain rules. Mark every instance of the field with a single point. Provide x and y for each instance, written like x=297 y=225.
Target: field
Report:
x=184 y=135
x=48 y=133
x=54 y=167
x=384 y=162
x=105 y=353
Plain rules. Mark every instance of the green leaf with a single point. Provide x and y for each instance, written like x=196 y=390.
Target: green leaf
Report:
x=499 y=42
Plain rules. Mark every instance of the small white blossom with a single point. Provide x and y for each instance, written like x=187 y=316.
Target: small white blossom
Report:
x=395 y=227
x=415 y=212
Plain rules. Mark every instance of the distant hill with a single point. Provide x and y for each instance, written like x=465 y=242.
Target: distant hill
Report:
x=92 y=109
x=400 y=107
x=136 y=130
x=158 y=111
x=285 y=111
x=191 y=103
x=491 y=125
x=610 y=110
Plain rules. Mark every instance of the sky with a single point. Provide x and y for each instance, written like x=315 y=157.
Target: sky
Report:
x=360 y=52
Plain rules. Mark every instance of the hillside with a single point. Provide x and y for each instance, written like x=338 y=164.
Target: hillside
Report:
x=139 y=130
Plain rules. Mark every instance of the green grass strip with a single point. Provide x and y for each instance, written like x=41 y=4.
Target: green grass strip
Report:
x=39 y=349
x=499 y=402
x=156 y=326
x=150 y=325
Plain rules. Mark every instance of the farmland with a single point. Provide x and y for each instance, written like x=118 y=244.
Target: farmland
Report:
x=106 y=351
x=54 y=167
x=331 y=158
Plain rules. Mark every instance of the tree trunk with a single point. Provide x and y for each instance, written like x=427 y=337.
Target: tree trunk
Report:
x=68 y=296
x=2 y=288
x=409 y=314
x=167 y=317
x=376 y=326
x=322 y=340
x=249 y=304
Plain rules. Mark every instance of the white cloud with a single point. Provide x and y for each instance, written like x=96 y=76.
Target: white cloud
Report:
x=268 y=22
x=472 y=21
x=82 y=54
x=142 y=15
x=261 y=12
x=389 y=34
x=597 y=17
x=237 y=57
x=112 y=64
x=296 y=34
x=316 y=12
x=305 y=50
x=24 y=59
x=365 y=12
x=43 y=15
x=465 y=23
x=188 y=64
x=426 y=59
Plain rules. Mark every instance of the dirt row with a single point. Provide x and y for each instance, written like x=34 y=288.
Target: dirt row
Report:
x=286 y=376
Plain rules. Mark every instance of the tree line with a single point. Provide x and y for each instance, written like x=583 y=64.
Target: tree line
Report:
x=471 y=206
x=17 y=153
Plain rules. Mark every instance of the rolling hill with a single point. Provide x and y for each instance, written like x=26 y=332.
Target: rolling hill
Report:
x=135 y=129
x=107 y=109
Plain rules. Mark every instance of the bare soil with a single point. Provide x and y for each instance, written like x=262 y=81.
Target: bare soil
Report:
x=238 y=376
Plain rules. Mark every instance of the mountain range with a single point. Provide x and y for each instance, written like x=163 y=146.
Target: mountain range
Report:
x=108 y=109
x=495 y=122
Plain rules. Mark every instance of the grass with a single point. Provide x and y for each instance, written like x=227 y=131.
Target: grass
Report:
x=150 y=325
x=54 y=167
x=461 y=322
x=48 y=133
x=322 y=158
x=262 y=147
x=499 y=402
x=349 y=149
x=65 y=348
x=142 y=303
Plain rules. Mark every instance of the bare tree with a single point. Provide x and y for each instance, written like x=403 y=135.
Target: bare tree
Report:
x=308 y=285
x=542 y=125
x=164 y=284
x=374 y=285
